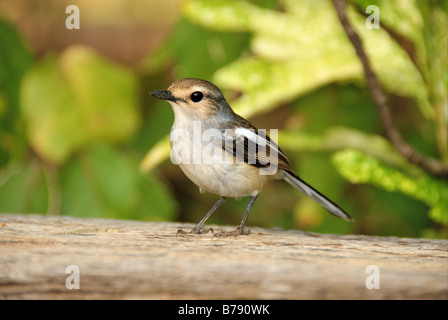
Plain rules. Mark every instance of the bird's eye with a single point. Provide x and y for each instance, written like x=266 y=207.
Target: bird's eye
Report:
x=196 y=96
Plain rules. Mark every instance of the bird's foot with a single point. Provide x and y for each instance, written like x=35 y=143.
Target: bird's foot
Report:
x=238 y=231
x=195 y=230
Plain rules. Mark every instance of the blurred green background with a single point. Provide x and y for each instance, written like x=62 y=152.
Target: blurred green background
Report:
x=81 y=136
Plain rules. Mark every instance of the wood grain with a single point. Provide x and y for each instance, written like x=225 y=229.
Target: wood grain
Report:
x=146 y=260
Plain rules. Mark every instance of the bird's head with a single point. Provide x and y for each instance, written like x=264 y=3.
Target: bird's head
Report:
x=194 y=98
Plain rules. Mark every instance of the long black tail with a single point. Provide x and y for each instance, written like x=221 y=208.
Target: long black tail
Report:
x=333 y=208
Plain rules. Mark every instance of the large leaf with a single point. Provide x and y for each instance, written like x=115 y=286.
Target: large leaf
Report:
x=301 y=49
x=55 y=124
x=106 y=93
x=212 y=50
x=360 y=168
x=78 y=98
x=338 y=138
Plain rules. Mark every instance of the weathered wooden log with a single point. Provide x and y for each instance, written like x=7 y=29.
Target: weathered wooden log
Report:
x=45 y=257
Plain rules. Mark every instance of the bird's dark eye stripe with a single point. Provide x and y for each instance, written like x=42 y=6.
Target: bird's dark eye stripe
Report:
x=196 y=96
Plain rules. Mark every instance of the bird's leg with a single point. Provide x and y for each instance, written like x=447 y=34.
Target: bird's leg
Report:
x=240 y=229
x=198 y=229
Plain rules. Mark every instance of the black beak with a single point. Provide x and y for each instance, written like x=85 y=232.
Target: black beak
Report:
x=164 y=95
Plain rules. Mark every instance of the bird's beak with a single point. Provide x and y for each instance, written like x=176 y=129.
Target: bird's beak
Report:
x=164 y=95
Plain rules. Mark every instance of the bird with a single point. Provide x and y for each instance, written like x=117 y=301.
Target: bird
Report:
x=224 y=154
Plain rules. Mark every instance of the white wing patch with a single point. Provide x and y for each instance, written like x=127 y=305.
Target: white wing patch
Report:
x=259 y=138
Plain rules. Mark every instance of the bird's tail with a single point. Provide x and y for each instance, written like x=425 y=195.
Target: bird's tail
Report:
x=333 y=208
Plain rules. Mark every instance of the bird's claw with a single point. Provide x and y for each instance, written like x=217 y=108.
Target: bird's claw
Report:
x=238 y=231
x=195 y=230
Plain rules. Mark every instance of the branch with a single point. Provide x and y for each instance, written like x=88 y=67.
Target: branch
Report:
x=430 y=165
x=118 y=259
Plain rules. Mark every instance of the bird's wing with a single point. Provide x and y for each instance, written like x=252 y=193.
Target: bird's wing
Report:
x=252 y=146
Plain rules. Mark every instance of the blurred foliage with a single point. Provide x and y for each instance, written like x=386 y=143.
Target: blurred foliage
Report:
x=73 y=132
x=291 y=58
x=75 y=111
x=15 y=58
x=75 y=99
x=359 y=168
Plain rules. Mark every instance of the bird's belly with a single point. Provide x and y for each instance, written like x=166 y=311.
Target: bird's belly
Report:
x=226 y=180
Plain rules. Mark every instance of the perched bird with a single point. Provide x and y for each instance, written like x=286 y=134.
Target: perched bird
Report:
x=223 y=153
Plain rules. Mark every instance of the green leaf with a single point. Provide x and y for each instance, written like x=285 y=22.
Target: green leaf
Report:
x=106 y=93
x=222 y=15
x=23 y=188
x=55 y=124
x=77 y=98
x=391 y=16
x=266 y=84
x=103 y=182
x=338 y=138
x=79 y=197
x=300 y=50
x=156 y=201
x=212 y=50
x=114 y=177
x=15 y=58
x=360 y=168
